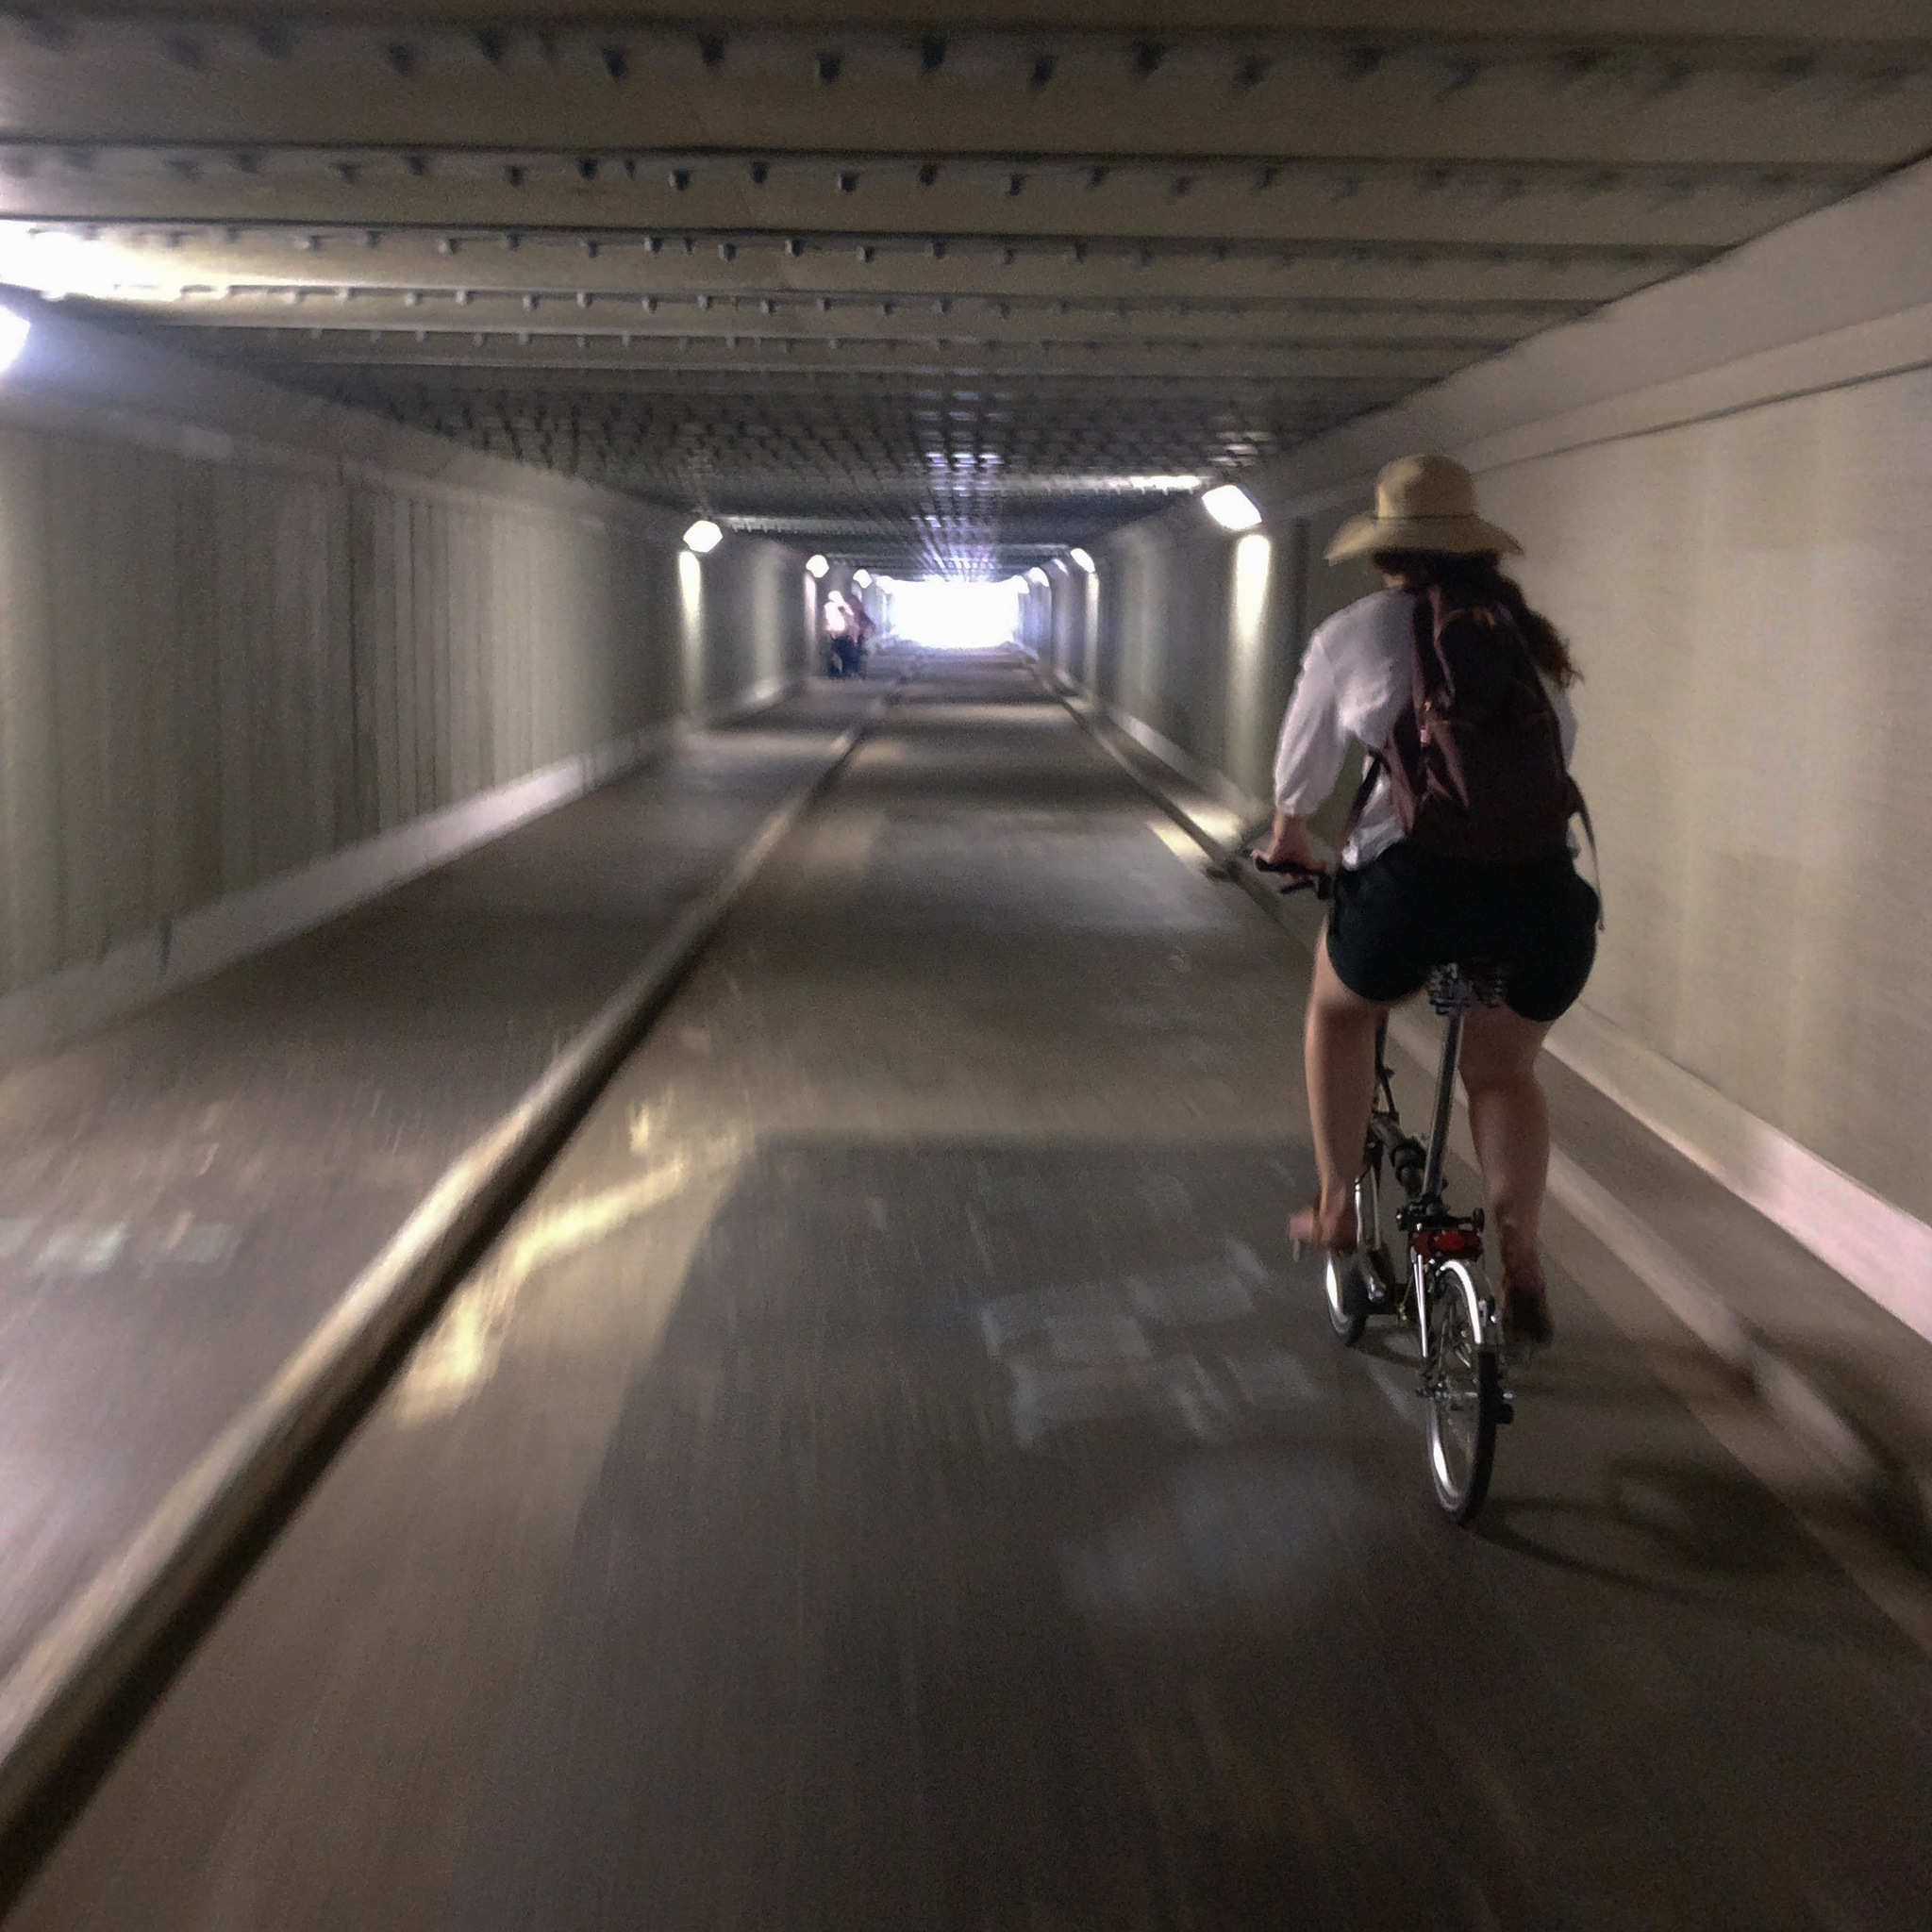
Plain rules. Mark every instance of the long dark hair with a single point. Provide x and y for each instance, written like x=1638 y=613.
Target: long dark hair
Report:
x=1481 y=577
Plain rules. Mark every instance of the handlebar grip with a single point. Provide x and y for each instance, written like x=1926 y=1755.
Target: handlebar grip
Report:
x=1301 y=878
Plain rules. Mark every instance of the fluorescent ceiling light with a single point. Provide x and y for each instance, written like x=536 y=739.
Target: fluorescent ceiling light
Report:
x=703 y=537
x=816 y=566
x=1232 y=507
x=56 y=265
x=14 y=330
x=1082 y=561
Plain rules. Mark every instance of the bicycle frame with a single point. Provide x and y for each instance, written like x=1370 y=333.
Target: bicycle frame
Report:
x=1459 y=1332
x=1445 y=1104
x=1435 y=1236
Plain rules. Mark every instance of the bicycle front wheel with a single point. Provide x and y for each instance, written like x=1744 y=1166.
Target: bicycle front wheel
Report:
x=1465 y=1393
x=1344 y=1278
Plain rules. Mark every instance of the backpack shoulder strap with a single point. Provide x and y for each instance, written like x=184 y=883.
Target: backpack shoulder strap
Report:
x=1377 y=765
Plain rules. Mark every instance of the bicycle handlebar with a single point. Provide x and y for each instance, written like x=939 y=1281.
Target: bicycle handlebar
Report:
x=1301 y=878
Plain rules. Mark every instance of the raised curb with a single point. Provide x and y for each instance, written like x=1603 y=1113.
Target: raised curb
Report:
x=1899 y=1497
x=98 y=1643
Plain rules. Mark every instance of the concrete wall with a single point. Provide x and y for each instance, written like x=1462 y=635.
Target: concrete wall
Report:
x=1725 y=489
x=1196 y=636
x=1752 y=601
x=242 y=633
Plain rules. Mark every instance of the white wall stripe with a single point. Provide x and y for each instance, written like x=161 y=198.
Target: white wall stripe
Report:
x=1873 y=1243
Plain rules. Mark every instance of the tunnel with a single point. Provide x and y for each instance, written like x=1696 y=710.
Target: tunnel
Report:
x=649 y=1096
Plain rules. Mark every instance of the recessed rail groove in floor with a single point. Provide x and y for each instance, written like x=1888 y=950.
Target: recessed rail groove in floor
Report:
x=100 y=1642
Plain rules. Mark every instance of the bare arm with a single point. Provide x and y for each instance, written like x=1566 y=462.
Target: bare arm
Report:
x=1289 y=844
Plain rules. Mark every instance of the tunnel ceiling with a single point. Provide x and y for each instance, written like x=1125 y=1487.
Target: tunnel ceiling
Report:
x=914 y=294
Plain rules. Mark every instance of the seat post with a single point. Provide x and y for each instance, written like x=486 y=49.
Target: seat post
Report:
x=1445 y=1104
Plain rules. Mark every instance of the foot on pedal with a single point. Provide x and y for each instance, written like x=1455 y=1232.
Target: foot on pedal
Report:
x=1527 y=1317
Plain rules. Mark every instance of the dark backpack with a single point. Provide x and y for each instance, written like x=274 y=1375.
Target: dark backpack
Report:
x=1475 y=758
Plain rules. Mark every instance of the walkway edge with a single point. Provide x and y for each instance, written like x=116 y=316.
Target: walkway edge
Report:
x=1899 y=1497
x=98 y=1643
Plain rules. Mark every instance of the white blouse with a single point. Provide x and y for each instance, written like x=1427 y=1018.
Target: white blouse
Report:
x=1352 y=686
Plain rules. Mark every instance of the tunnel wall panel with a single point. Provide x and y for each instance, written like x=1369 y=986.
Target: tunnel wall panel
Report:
x=1192 y=633
x=227 y=662
x=1748 y=598
x=753 y=596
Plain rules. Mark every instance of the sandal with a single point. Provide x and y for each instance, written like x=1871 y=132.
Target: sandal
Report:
x=1526 y=1315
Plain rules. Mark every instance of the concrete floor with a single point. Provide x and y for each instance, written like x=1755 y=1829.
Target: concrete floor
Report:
x=184 y=1195
x=889 y=1475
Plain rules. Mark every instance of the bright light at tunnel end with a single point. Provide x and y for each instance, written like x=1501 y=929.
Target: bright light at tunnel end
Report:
x=14 y=330
x=1231 y=506
x=1083 y=561
x=952 y=613
x=703 y=537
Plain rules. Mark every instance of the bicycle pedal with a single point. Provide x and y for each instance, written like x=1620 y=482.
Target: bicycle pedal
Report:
x=1505 y=1411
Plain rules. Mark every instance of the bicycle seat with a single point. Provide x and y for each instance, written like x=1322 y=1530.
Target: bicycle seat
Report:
x=1457 y=986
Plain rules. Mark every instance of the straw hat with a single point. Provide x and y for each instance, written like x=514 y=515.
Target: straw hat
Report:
x=1423 y=502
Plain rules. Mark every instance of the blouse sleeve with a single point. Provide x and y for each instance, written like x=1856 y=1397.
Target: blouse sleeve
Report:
x=1313 y=742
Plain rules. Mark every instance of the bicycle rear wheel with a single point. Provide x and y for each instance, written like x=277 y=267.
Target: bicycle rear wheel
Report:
x=1465 y=1395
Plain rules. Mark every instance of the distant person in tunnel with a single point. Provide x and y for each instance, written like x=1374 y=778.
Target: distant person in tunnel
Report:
x=848 y=626
x=1457 y=847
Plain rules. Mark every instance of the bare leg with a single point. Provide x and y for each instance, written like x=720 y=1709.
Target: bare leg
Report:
x=1339 y=1049
x=1509 y=1122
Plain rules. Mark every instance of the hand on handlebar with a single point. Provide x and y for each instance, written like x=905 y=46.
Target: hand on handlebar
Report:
x=1301 y=878
x=1287 y=850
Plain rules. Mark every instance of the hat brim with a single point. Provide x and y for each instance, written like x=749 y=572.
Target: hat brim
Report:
x=1456 y=536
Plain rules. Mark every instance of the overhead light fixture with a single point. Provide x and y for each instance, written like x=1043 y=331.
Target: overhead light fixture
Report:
x=816 y=566
x=703 y=537
x=1083 y=561
x=1231 y=506
x=14 y=330
x=56 y=264
x=1037 y=576
x=861 y=577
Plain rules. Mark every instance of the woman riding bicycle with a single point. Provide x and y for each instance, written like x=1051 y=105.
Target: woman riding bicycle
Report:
x=1400 y=908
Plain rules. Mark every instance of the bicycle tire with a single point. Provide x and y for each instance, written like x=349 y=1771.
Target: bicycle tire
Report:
x=1346 y=1297
x=1344 y=1288
x=1465 y=1395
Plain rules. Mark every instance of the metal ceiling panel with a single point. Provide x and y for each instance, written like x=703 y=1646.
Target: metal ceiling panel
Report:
x=908 y=290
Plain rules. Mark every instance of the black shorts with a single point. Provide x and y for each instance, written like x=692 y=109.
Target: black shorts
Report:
x=1406 y=911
